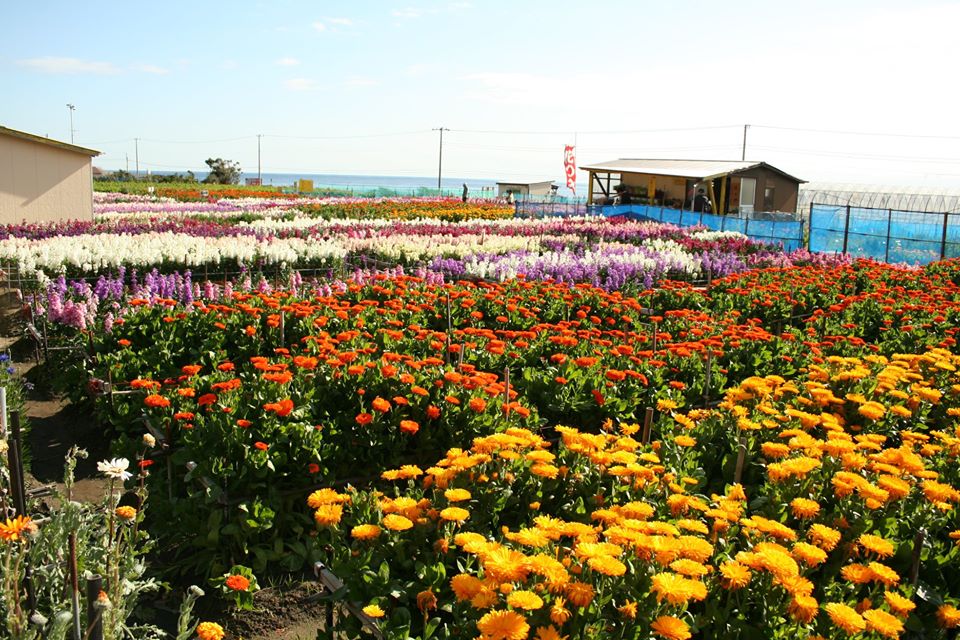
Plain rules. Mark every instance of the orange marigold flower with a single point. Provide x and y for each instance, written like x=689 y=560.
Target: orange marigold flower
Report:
x=409 y=426
x=16 y=529
x=900 y=605
x=365 y=532
x=734 y=575
x=948 y=616
x=237 y=582
x=803 y=608
x=883 y=623
x=373 y=611
x=670 y=628
x=328 y=515
x=503 y=625
x=876 y=545
x=465 y=586
x=824 y=537
x=803 y=508
x=559 y=614
x=364 y=418
x=381 y=405
x=125 y=513
x=454 y=514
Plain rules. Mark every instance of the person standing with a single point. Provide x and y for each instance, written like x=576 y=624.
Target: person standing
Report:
x=701 y=204
x=465 y=190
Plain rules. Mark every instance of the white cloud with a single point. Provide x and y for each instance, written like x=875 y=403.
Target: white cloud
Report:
x=150 y=68
x=359 y=81
x=407 y=12
x=229 y=65
x=300 y=84
x=53 y=64
x=419 y=69
x=288 y=62
x=319 y=26
x=459 y=6
x=343 y=22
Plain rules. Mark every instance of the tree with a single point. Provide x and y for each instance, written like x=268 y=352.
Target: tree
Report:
x=222 y=171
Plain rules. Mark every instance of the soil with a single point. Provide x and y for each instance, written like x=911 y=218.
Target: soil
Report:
x=284 y=612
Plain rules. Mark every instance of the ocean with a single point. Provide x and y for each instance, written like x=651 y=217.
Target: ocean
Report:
x=402 y=185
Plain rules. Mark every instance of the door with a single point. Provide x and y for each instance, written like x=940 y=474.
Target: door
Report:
x=748 y=194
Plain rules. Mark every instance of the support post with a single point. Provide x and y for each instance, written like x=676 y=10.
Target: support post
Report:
x=943 y=238
x=846 y=229
x=647 y=425
x=75 y=587
x=94 y=620
x=741 y=458
x=886 y=250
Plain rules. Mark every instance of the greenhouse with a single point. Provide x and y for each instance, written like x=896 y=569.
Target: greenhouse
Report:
x=920 y=199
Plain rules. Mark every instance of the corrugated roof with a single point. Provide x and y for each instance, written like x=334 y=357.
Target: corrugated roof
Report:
x=66 y=146
x=526 y=183
x=697 y=169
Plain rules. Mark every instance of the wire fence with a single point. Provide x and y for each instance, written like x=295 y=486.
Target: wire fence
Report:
x=890 y=235
x=776 y=228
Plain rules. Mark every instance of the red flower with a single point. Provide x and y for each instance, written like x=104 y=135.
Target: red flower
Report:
x=263 y=446
x=243 y=423
x=381 y=405
x=313 y=467
x=226 y=366
x=191 y=369
x=282 y=408
x=598 y=397
x=146 y=463
x=154 y=400
x=237 y=583
x=205 y=399
x=409 y=426
x=433 y=412
x=364 y=419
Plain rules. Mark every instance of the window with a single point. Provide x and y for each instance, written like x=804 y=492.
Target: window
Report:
x=768 y=199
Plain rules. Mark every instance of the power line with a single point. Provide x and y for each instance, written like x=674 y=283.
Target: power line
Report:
x=608 y=132
x=858 y=133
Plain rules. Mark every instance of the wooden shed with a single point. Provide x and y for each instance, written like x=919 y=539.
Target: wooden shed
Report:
x=732 y=186
x=44 y=180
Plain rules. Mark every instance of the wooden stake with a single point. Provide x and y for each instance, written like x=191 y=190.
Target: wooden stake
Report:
x=741 y=458
x=647 y=425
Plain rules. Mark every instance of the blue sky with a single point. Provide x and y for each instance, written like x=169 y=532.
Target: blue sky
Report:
x=356 y=87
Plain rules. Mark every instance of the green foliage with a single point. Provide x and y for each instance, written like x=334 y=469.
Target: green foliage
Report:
x=222 y=171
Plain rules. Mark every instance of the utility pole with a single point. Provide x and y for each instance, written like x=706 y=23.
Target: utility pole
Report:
x=440 y=161
x=71 y=107
x=127 y=158
x=136 y=152
x=259 y=176
x=743 y=153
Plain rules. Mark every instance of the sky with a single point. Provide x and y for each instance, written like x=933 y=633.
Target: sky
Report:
x=834 y=91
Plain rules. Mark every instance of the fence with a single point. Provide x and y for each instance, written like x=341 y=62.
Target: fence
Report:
x=775 y=228
x=890 y=235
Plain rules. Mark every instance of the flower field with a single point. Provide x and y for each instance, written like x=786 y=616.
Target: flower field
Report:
x=577 y=428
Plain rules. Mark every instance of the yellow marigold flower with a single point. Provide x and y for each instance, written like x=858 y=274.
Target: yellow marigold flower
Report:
x=734 y=575
x=883 y=623
x=676 y=589
x=593 y=549
x=485 y=598
x=900 y=605
x=607 y=565
x=559 y=614
x=845 y=618
x=325 y=496
x=948 y=616
x=328 y=515
x=824 y=537
x=872 y=410
x=524 y=600
x=457 y=495
x=804 y=508
x=126 y=513
x=580 y=594
x=528 y=537
x=671 y=628
x=505 y=565
x=876 y=545
x=365 y=532
x=396 y=522
x=455 y=514
x=503 y=625
x=374 y=611
x=684 y=441
x=689 y=568
x=803 y=608
x=209 y=631
x=808 y=554
x=884 y=574
x=774 y=450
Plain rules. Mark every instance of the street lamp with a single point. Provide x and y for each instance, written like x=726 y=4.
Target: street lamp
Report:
x=71 y=107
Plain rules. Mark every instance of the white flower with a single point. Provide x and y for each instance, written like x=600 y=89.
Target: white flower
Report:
x=116 y=468
x=149 y=441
